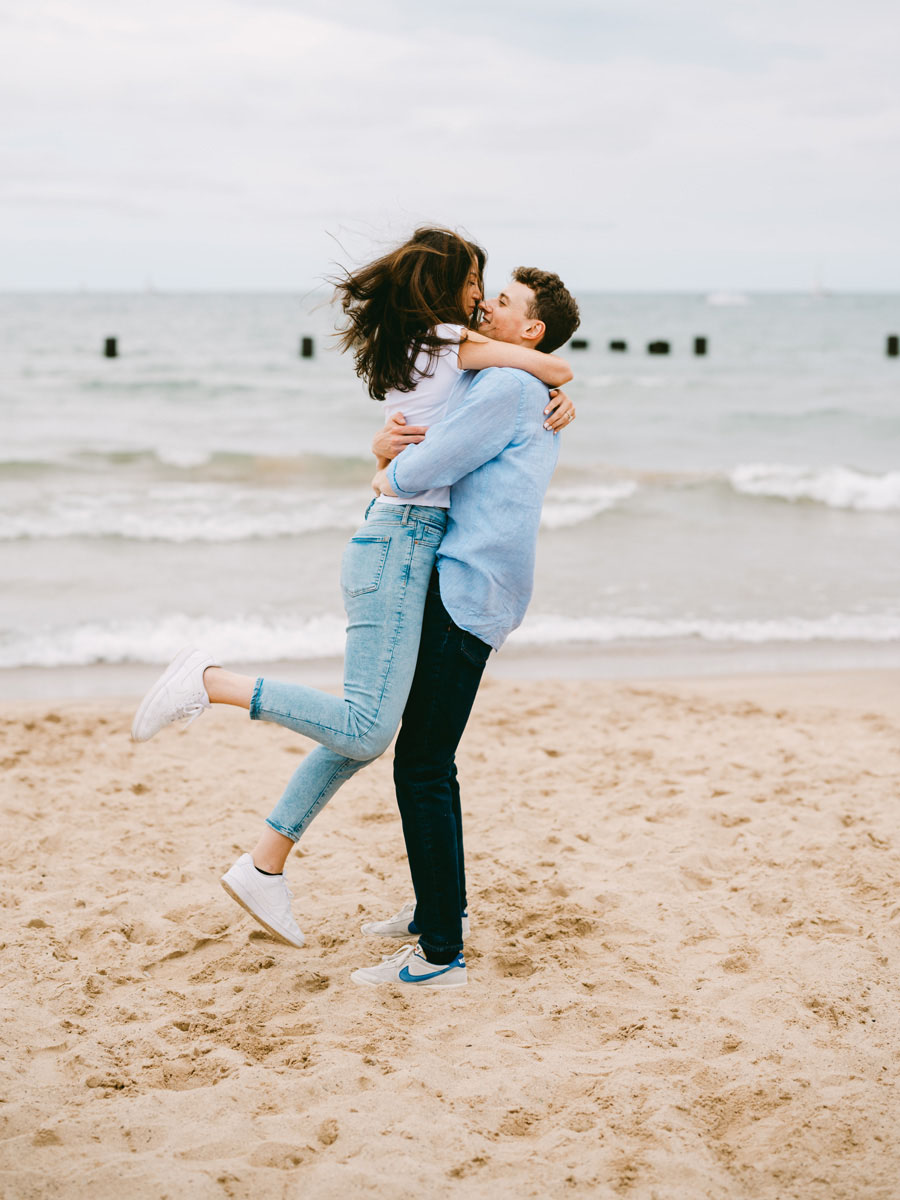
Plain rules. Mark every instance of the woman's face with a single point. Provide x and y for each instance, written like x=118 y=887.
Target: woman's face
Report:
x=472 y=293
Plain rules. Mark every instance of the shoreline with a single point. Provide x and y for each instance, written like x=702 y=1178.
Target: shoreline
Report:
x=622 y=662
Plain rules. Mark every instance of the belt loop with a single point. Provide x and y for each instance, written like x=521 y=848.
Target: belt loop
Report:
x=406 y=511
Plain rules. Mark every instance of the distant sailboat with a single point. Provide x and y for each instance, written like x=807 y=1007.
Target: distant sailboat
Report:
x=727 y=299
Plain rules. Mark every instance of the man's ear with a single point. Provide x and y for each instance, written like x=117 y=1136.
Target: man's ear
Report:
x=534 y=332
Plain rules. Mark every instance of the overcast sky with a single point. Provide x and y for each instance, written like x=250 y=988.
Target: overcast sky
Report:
x=633 y=145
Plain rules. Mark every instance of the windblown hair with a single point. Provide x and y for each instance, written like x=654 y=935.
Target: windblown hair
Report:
x=393 y=305
x=553 y=304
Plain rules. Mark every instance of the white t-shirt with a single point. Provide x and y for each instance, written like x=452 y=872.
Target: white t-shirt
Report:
x=426 y=404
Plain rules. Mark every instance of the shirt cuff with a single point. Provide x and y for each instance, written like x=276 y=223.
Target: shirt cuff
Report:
x=392 y=476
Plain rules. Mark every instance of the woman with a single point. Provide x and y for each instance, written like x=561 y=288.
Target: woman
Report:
x=406 y=316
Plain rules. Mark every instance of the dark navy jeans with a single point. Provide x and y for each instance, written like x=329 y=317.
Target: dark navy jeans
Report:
x=448 y=672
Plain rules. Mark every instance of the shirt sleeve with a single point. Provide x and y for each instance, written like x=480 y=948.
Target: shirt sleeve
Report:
x=472 y=435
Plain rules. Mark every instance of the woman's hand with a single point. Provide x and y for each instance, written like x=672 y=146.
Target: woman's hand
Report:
x=395 y=436
x=562 y=410
x=381 y=485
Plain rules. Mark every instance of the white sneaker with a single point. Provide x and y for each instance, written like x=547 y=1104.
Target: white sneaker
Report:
x=178 y=693
x=410 y=966
x=267 y=898
x=401 y=924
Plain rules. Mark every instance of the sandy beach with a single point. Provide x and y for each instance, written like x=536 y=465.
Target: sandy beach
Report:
x=684 y=956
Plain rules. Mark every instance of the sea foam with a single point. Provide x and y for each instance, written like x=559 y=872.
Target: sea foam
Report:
x=217 y=512
x=565 y=506
x=836 y=486
x=182 y=512
x=260 y=639
x=555 y=630
x=237 y=639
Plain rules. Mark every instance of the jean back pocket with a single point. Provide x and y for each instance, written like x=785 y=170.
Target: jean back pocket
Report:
x=363 y=564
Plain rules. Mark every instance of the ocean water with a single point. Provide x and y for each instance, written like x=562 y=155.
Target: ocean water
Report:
x=201 y=486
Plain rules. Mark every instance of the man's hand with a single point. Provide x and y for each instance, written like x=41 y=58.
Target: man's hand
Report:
x=561 y=408
x=395 y=436
x=381 y=485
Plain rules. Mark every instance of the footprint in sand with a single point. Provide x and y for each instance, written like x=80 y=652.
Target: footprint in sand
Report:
x=279 y=1155
x=328 y=1131
x=46 y=1137
x=518 y=1122
x=515 y=965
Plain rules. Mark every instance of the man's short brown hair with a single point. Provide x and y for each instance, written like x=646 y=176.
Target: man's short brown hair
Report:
x=552 y=304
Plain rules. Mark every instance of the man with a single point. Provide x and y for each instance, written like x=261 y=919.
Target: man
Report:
x=496 y=455
x=535 y=310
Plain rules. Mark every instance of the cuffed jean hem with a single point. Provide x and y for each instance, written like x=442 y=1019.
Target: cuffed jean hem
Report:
x=440 y=955
x=288 y=833
x=254 y=703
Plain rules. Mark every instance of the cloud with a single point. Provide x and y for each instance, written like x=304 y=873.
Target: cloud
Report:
x=720 y=143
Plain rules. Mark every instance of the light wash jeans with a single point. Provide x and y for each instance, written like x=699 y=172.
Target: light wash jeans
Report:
x=384 y=578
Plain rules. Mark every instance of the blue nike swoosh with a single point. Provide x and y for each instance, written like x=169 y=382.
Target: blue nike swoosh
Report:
x=407 y=978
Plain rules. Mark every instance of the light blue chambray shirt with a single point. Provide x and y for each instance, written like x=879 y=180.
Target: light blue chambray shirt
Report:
x=498 y=459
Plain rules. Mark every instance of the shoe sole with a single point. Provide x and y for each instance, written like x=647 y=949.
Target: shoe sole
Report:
x=238 y=899
x=176 y=663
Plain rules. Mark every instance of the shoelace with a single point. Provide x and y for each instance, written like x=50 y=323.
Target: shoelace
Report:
x=192 y=712
x=403 y=953
x=286 y=906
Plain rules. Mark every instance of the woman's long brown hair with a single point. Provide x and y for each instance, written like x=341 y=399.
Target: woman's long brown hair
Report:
x=393 y=305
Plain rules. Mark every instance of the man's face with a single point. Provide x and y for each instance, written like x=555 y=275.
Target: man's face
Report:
x=505 y=316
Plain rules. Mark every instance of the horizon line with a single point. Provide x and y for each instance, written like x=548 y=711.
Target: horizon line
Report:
x=199 y=290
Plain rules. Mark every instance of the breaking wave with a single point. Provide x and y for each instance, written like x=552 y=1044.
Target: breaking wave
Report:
x=835 y=487
x=260 y=639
